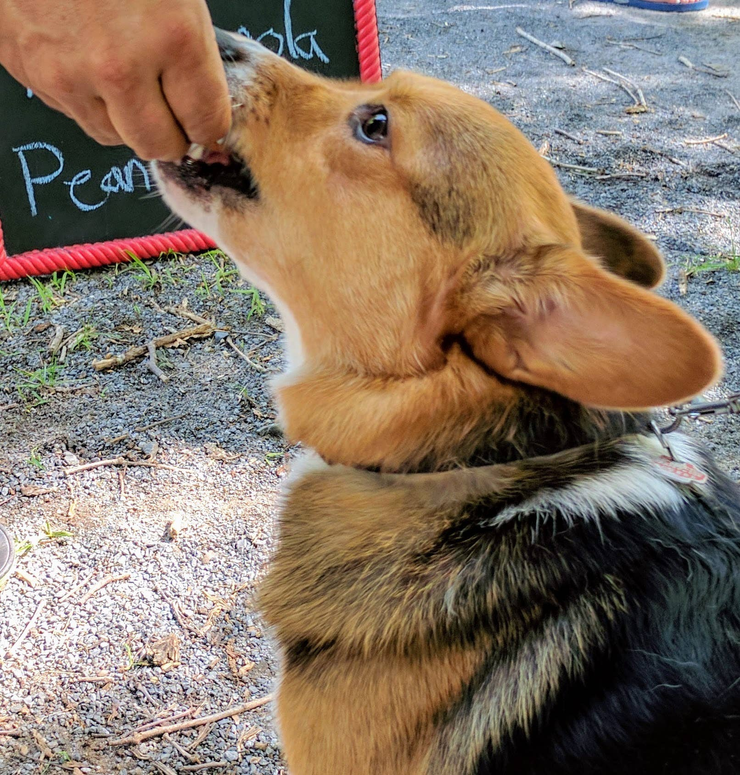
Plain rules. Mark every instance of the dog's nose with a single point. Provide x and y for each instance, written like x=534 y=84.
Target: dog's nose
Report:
x=230 y=47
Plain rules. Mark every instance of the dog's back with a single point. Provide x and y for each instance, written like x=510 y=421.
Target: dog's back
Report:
x=577 y=614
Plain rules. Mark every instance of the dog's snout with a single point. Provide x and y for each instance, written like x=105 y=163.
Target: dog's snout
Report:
x=231 y=47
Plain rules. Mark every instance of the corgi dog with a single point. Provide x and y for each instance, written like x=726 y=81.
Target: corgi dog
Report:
x=488 y=564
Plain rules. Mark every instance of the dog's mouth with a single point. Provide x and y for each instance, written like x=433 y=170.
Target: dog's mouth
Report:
x=203 y=169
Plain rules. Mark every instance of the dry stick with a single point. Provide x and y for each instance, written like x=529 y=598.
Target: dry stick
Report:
x=76 y=588
x=616 y=83
x=255 y=366
x=549 y=49
x=151 y=362
x=576 y=167
x=186 y=313
x=151 y=425
x=705 y=142
x=196 y=722
x=158 y=722
x=204 y=766
x=121 y=461
x=97 y=587
x=177 y=613
x=612 y=175
x=198 y=332
x=10 y=733
x=39 y=608
x=609 y=132
x=733 y=98
x=625 y=44
x=697 y=210
x=640 y=95
x=702 y=69
x=183 y=751
x=93 y=679
x=725 y=147
x=569 y=136
x=202 y=735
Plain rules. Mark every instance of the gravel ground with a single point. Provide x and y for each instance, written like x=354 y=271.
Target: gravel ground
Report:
x=183 y=542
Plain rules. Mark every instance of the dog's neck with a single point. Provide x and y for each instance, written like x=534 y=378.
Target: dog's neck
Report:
x=436 y=422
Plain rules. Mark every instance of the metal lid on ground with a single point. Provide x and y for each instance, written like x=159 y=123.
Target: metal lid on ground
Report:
x=7 y=555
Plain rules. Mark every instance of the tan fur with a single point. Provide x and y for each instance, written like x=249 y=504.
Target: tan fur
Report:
x=427 y=287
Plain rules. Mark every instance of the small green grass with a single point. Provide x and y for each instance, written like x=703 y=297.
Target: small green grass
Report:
x=84 y=338
x=47 y=535
x=47 y=297
x=729 y=262
x=59 y=280
x=11 y=315
x=33 y=385
x=256 y=303
x=35 y=460
x=146 y=274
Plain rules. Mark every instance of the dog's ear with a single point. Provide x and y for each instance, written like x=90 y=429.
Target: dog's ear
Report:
x=569 y=326
x=621 y=248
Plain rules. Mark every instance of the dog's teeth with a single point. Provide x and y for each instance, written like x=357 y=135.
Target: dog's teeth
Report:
x=196 y=151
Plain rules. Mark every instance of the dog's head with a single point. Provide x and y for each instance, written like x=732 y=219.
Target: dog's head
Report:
x=426 y=261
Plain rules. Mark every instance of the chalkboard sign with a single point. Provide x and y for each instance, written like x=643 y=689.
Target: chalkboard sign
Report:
x=60 y=191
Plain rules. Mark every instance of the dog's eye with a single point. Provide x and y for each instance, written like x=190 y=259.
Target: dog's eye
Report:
x=372 y=126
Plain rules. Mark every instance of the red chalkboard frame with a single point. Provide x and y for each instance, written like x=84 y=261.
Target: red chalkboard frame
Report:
x=38 y=262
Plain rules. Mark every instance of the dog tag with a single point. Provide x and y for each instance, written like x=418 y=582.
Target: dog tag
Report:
x=678 y=471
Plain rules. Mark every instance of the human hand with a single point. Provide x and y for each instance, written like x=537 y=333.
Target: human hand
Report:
x=145 y=73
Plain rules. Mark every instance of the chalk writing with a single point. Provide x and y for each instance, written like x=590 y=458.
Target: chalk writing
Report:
x=115 y=180
x=279 y=40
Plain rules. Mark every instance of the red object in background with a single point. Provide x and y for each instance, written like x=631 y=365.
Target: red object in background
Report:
x=84 y=256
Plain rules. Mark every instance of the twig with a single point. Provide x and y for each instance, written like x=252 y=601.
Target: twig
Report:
x=640 y=95
x=177 y=613
x=576 y=167
x=569 y=136
x=625 y=44
x=549 y=49
x=725 y=147
x=97 y=587
x=609 y=132
x=698 y=210
x=166 y=720
x=183 y=751
x=10 y=733
x=186 y=313
x=196 y=722
x=198 y=332
x=611 y=80
x=151 y=362
x=705 y=142
x=255 y=366
x=120 y=461
x=39 y=608
x=204 y=766
x=702 y=68
x=32 y=581
x=202 y=735
x=93 y=679
x=76 y=588
x=613 y=175
x=733 y=98
x=56 y=340
x=142 y=428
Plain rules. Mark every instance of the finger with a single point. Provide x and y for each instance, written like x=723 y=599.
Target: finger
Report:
x=142 y=118
x=197 y=93
x=92 y=116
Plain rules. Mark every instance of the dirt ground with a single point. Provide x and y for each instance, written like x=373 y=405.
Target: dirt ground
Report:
x=181 y=539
